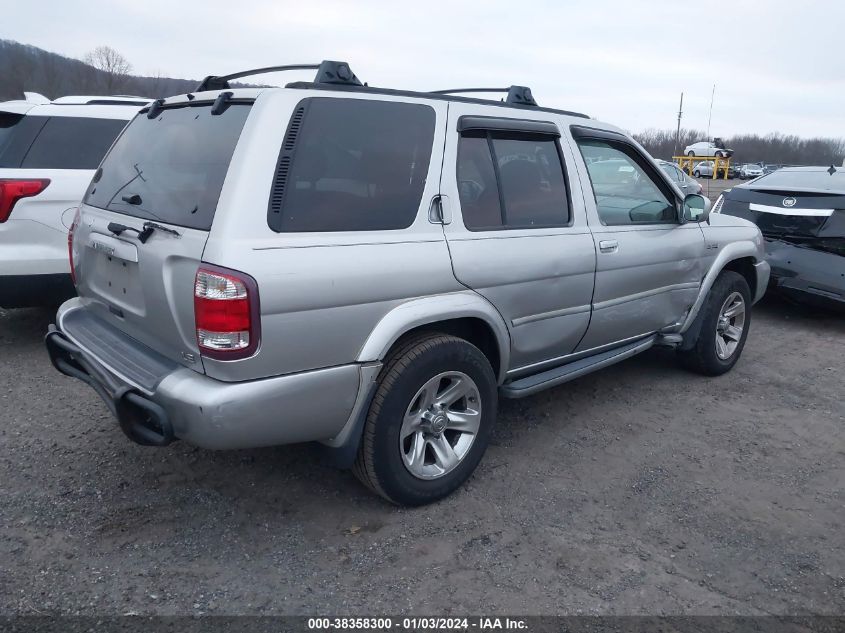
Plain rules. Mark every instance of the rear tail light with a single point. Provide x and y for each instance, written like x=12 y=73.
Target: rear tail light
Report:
x=13 y=189
x=226 y=312
x=70 y=252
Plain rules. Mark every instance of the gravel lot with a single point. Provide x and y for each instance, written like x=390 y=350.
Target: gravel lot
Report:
x=640 y=489
x=712 y=188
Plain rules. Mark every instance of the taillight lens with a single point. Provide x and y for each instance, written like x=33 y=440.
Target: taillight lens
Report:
x=70 y=252
x=226 y=312
x=13 y=189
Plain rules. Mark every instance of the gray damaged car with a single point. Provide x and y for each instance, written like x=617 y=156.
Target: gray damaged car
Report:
x=370 y=269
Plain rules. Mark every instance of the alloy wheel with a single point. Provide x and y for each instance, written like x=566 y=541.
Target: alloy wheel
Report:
x=440 y=425
x=730 y=325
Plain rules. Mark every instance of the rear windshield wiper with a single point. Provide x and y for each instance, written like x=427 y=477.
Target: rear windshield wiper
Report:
x=146 y=231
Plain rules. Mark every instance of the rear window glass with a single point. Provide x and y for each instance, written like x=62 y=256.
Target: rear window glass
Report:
x=170 y=168
x=8 y=121
x=821 y=180
x=352 y=165
x=72 y=143
x=16 y=135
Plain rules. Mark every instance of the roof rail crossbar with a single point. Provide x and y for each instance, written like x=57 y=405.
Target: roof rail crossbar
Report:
x=328 y=72
x=461 y=90
x=517 y=95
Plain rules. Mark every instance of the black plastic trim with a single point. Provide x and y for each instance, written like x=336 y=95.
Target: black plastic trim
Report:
x=305 y=85
x=502 y=124
x=328 y=72
x=283 y=165
x=580 y=132
x=141 y=420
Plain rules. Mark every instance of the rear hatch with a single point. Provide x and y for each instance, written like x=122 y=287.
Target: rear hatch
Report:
x=145 y=220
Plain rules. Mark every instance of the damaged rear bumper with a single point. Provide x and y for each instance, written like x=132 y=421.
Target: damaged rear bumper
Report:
x=807 y=275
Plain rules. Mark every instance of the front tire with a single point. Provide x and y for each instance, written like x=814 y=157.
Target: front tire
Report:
x=690 y=153
x=430 y=420
x=696 y=173
x=726 y=319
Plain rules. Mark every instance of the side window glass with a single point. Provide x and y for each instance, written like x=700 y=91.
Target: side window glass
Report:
x=511 y=181
x=72 y=143
x=625 y=193
x=358 y=165
x=477 y=186
x=531 y=179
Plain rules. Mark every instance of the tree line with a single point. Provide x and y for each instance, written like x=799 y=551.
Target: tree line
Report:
x=776 y=148
x=104 y=71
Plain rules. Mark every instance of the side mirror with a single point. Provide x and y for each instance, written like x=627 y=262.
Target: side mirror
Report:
x=696 y=208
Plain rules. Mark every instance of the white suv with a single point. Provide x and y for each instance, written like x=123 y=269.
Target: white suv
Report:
x=708 y=148
x=48 y=153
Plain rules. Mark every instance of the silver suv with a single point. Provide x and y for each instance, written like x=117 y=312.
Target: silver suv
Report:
x=370 y=269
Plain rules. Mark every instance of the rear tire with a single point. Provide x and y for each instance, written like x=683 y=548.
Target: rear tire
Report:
x=415 y=448
x=726 y=319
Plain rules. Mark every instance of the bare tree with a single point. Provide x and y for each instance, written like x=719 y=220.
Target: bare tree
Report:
x=114 y=68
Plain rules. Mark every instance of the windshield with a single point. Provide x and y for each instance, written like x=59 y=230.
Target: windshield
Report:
x=170 y=168
x=812 y=179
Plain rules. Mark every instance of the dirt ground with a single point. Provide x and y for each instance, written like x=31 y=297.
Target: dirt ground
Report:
x=641 y=489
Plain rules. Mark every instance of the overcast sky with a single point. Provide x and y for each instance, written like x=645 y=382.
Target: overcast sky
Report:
x=778 y=65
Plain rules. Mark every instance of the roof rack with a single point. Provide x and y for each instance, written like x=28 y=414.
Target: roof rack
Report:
x=517 y=95
x=328 y=72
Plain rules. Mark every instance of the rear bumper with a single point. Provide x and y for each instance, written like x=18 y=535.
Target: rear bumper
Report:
x=183 y=404
x=27 y=291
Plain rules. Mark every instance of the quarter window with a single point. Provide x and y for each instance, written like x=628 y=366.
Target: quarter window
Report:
x=510 y=181
x=72 y=143
x=625 y=192
x=352 y=165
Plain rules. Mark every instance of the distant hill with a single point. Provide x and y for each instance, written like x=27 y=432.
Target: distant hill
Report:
x=32 y=69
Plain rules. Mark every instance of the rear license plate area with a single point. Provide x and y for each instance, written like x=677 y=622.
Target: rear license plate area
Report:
x=116 y=280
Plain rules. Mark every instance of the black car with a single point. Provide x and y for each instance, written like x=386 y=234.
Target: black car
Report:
x=801 y=213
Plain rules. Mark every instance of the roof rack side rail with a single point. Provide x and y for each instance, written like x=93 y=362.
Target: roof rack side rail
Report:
x=517 y=95
x=328 y=72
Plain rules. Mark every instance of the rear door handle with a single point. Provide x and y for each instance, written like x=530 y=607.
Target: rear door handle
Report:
x=608 y=246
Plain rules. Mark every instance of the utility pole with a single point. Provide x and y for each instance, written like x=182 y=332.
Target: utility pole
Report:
x=710 y=117
x=678 y=133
